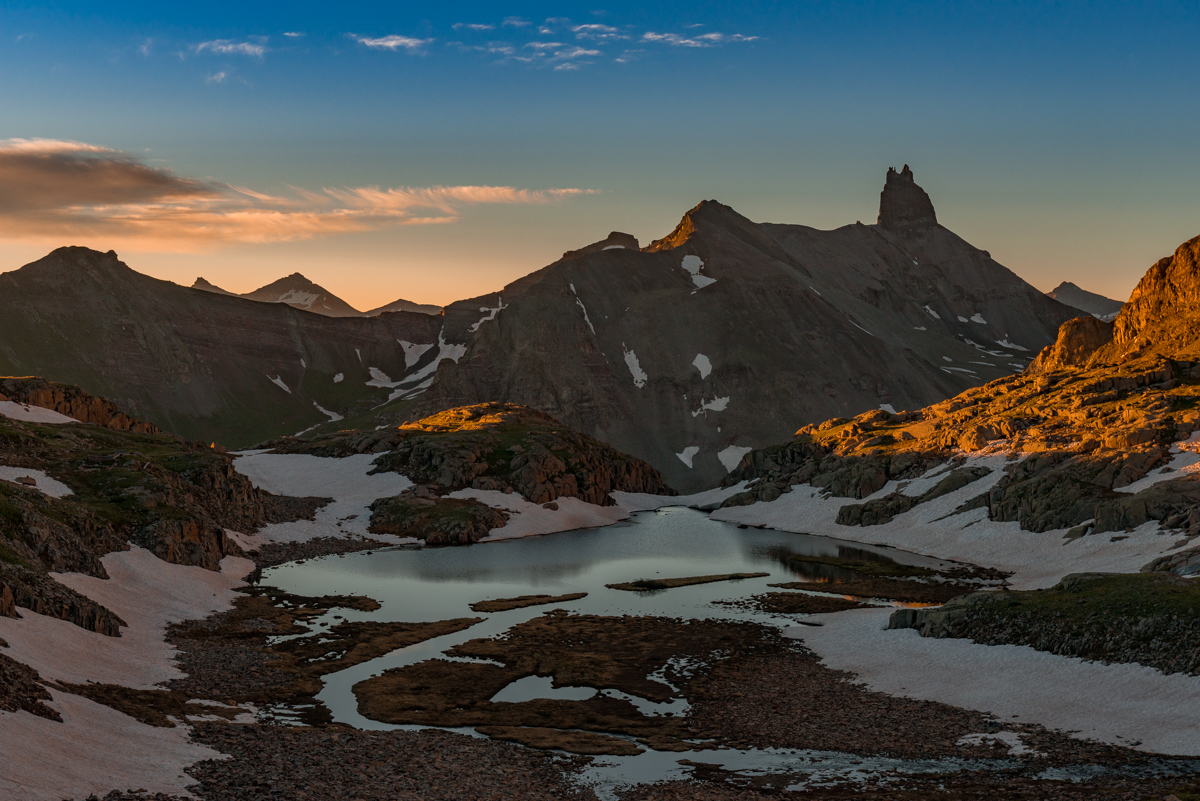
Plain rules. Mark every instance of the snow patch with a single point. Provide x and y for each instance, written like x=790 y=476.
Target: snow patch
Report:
x=1016 y=746
x=645 y=502
x=731 y=456
x=298 y=297
x=920 y=328
x=702 y=364
x=337 y=379
x=631 y=360
x=380 y=379
x=413 y=352
x=1004 y=343
x=303 y=364
x=583 y=308
x=333 y=416
x=933 y=314
x=32 y=414
x=688 y=454
x=491 y=314
x=277 y=381
x=693 y=265
x=43 y=483
x=978 y=318
x=962 y=319
x=414 y=384
x=887 y=407
x=613 y=247
x=714 y=405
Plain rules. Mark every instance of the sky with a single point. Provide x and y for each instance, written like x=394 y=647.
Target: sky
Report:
x=436 y=151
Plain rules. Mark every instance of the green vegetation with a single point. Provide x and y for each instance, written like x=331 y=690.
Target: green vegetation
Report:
x=1086 y=597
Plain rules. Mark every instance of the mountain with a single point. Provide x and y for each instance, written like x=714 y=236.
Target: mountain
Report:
x=199 y=364
x=727 y=334
x=1090 y=302
x=405 y=305
x=298 y=292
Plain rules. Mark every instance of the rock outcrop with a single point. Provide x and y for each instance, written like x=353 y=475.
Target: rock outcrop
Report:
x=497 y=446
x=73 y=402
x=903 y=205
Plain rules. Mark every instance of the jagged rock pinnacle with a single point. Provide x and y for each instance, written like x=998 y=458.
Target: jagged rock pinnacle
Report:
x=903 y=204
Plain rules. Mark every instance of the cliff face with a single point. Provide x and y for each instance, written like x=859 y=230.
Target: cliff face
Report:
x=1161 y=319
x=73 y=402
x=903 y=205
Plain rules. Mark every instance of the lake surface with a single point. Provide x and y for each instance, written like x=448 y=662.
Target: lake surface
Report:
x=427 y=584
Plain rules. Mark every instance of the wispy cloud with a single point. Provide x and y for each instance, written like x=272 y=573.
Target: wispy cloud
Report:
x=392 y=42
x=515 y=22
x=293 y=34
x=473 y=26
x=600 y=33
x=52 y=190
x=217 y=77
x=703 y=40
x=228 y=47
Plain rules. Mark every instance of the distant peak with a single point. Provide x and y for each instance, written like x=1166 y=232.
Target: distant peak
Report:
x=209 y=287
x=706 y=213
x=903 y=204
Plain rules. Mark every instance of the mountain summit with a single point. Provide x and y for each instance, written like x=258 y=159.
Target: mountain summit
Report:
x=903 y=204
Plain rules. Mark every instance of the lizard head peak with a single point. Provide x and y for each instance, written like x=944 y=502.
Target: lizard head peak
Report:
x=903 y=204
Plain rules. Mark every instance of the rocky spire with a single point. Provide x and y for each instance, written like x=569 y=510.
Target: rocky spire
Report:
x=904 y=205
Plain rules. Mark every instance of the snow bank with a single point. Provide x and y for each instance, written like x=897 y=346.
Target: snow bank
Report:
x=277 y=381
x=32 y=414
x=148 y=594
x=414 y=384
x=333 y=416
x=45 y=484
x=530 y=519
x=702 y=364
x=94 y=750
x=645 y=502
x=1128 y=705
x=345 y=480
x=931 y=528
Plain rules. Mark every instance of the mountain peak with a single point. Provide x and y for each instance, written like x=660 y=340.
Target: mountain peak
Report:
x=201 y=284
x=903 y=204
x=706 y=213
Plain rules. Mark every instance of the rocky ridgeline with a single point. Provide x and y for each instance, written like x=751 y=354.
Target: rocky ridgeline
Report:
x=73 y=402
x=488 y=446
x=172 y=497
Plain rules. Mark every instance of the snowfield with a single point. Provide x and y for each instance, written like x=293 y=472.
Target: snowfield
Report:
x=32 y=414
x=96 y=748
x=1125 y=704
x=1036 y=560
x=44 y=484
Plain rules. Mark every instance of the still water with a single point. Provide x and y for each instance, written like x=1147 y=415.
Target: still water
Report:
x=439 y=583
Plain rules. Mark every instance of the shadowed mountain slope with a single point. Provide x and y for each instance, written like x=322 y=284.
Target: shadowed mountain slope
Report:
x=199 y=364
x=1090 y=302
x=727 y=334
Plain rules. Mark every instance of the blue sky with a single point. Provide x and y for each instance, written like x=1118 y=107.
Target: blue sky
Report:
x=1059 y=136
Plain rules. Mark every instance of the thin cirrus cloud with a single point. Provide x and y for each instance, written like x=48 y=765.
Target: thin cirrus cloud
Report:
x=703 y=40
x=391 y=42
x=228 y=47
x=53 y=189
